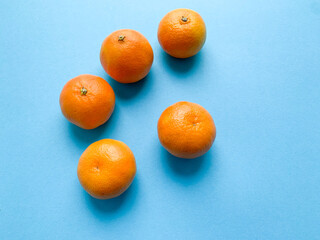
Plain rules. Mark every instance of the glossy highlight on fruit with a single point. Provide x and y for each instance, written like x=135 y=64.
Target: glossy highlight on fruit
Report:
x=186 y=130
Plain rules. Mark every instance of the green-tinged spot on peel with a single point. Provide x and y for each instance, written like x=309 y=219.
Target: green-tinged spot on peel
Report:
x=83 y=91
x=121 y=38
x=184 y=19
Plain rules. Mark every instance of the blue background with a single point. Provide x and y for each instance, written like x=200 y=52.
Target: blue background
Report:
x=258 y=75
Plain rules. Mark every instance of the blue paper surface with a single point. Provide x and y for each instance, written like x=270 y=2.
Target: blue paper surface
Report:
x=258 y=75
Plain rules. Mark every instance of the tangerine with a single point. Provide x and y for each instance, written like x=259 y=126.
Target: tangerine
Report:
x=106 y=168
x=126 y=55
x=182 y=33
x=186 y=130
x=87 y=101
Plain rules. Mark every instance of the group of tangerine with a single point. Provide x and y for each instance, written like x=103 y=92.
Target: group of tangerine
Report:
x=186 y=130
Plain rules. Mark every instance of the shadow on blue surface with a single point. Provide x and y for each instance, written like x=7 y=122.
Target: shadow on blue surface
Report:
x=86 y=137
x=119 y=205
x=181 y=65
x=128 y=91
x=188 y=171
x=184 y=167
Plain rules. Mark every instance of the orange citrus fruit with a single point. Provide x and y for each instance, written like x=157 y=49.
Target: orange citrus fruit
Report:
x=186 y=130
x=87 y=101
x=106 y=168
x=126 y=55
x=182 y=33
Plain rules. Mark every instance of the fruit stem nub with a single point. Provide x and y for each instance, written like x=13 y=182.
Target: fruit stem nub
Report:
x=184 y=19
x=121 y=38
x=83 y=91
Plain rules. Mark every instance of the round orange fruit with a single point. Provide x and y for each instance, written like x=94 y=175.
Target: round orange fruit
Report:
x=186 y=130
x=126 y=55
x=106 y=168
x=182 y=33
x=87 y=101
